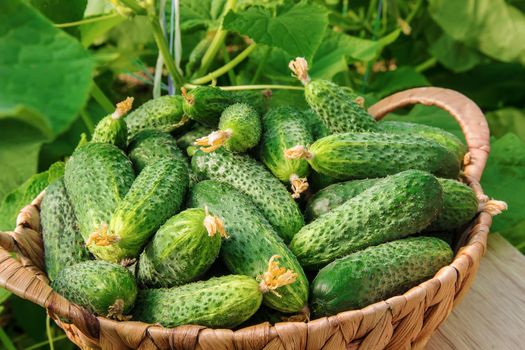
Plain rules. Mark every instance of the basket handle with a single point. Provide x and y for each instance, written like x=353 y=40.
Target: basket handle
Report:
x=464 y=110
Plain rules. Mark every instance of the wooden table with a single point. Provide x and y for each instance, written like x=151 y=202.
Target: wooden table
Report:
x=492 y=314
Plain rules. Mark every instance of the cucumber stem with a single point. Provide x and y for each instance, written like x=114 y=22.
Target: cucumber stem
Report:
x=275 y=277
x=299 y=68
x=253 y=87
x=87 y=20
x=123 y=108
x=298 y=152
x=101 y=237
x=213 y=141
x=299 y=185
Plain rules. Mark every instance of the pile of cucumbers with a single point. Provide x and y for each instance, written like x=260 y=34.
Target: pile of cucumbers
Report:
x=209 y=208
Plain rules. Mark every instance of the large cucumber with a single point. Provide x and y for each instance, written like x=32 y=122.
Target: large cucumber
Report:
x=444 y=138
x=348 y=156
x=63 y=243
x=257 y=99
x=112 y=128
x=188 y=139
x=97 y=177
x=254 y=180
x=182 y=249
x=396 y=207
x=316 y=126
x=220 y=302
x=205 y=104
x=252 y=241
x=162 y=113
x=101 y=287
x=376 y=273
x=150 y=146
x=284 y=127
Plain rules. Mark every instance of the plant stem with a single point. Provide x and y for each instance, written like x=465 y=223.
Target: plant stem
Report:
x=261 y=65
x=253 y=87
x=87 y=20
x=49 y=333
x=134 y=5
x=101 y=98
x=431 y=62
x=4 y=338
x=230 y=65
x=45 y=342
x=87 y=121
x=231 y=73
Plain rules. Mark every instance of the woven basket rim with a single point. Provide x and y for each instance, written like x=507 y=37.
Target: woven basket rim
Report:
x=27 y=279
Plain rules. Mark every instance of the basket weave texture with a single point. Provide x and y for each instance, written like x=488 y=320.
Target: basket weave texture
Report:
x=402 y=322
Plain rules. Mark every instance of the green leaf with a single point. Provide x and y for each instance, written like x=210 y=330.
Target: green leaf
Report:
x=403 y=78
x=92 y=32
x=297 y=29
x=505 y=120
x=61 y=11
x=492 y=26
x=454 y=55
x=199 y=14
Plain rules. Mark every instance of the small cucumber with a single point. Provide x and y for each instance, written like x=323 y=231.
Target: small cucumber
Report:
x=205 y=104
x=63 y=243
x=440 y=136
x=112 y=128
x=188 y=139
x=252 y=243
x=150 y=146
x=257 y=99
x=395 y=207
x=254 y=180
x=156 y=195
x=377 y=273
x=182 y=249
x=97 y=177
x=239 y=130
x=101 y=287
x=335 y=106
x=220 y=302
x=284 y=127
x=162 y=113
x=348 y=156
x=314 y=123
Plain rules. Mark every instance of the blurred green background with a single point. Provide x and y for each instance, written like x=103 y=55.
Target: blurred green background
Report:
x=64 y=63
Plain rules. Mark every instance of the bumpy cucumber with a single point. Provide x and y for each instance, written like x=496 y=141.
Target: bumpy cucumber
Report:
x=155 y=195
x=239 y=130
x=112 y=128
x=314 y=123
x=181 y=250
x=162 y=113
x=254 y=180
x=376 y=273
x=252 y=241
x=188 y=139
x=150 y=146
x=284 y=127
x=205 y=104
x=395 y=207
x=101 y=287
x=255 y=98
x=335 y=106
x=221 y=302
x=63 y=243
x=348 y=156
x=97 y=177
x=444 y=138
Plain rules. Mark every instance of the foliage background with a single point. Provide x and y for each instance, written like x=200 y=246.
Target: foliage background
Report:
x=57 y=81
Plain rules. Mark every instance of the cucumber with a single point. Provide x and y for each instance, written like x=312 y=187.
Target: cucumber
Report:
x=162 y=113
x=204 y=104
x=377 y=273
x=319 y=181
x=257 y=99
x=254 y=180
x=284 y=127
x=188 y=139
x=197 y=53
x=314 y=123
x=97 y=177
x=182 y=249
x=220 y=302
x=440 y=136
x=335 y=106
x=112 y=128
x=101 y=287
x=239 y=130
x=150 y=146
x=155 y=196
x=348 y=156
x=63 y=243
x=395 y=207
x=252 y=241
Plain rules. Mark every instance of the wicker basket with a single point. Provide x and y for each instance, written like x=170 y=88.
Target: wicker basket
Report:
x=401 y=322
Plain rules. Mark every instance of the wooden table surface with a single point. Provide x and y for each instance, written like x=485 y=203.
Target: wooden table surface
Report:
x=492 y=314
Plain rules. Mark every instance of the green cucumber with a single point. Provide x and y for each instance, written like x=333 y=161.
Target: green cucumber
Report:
x=254 y=180
x=239 y=130
x=101 y=287
x=336 y=107
x=314 y=123
x=284 y=127
x=97 y=177
x=395 y=207
x=150 y=146
x=188 y=139
x=257 y=99
x=440 y=136
x=220 y=302
x=156 y=195
x=348 y=156
x=319 y=181
x=112 y=128
x=197 y=53
x=63 y=243
x=162 y=113
x=252 y=241
x=182 y=250
x=377 y=273
x=204 y=104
